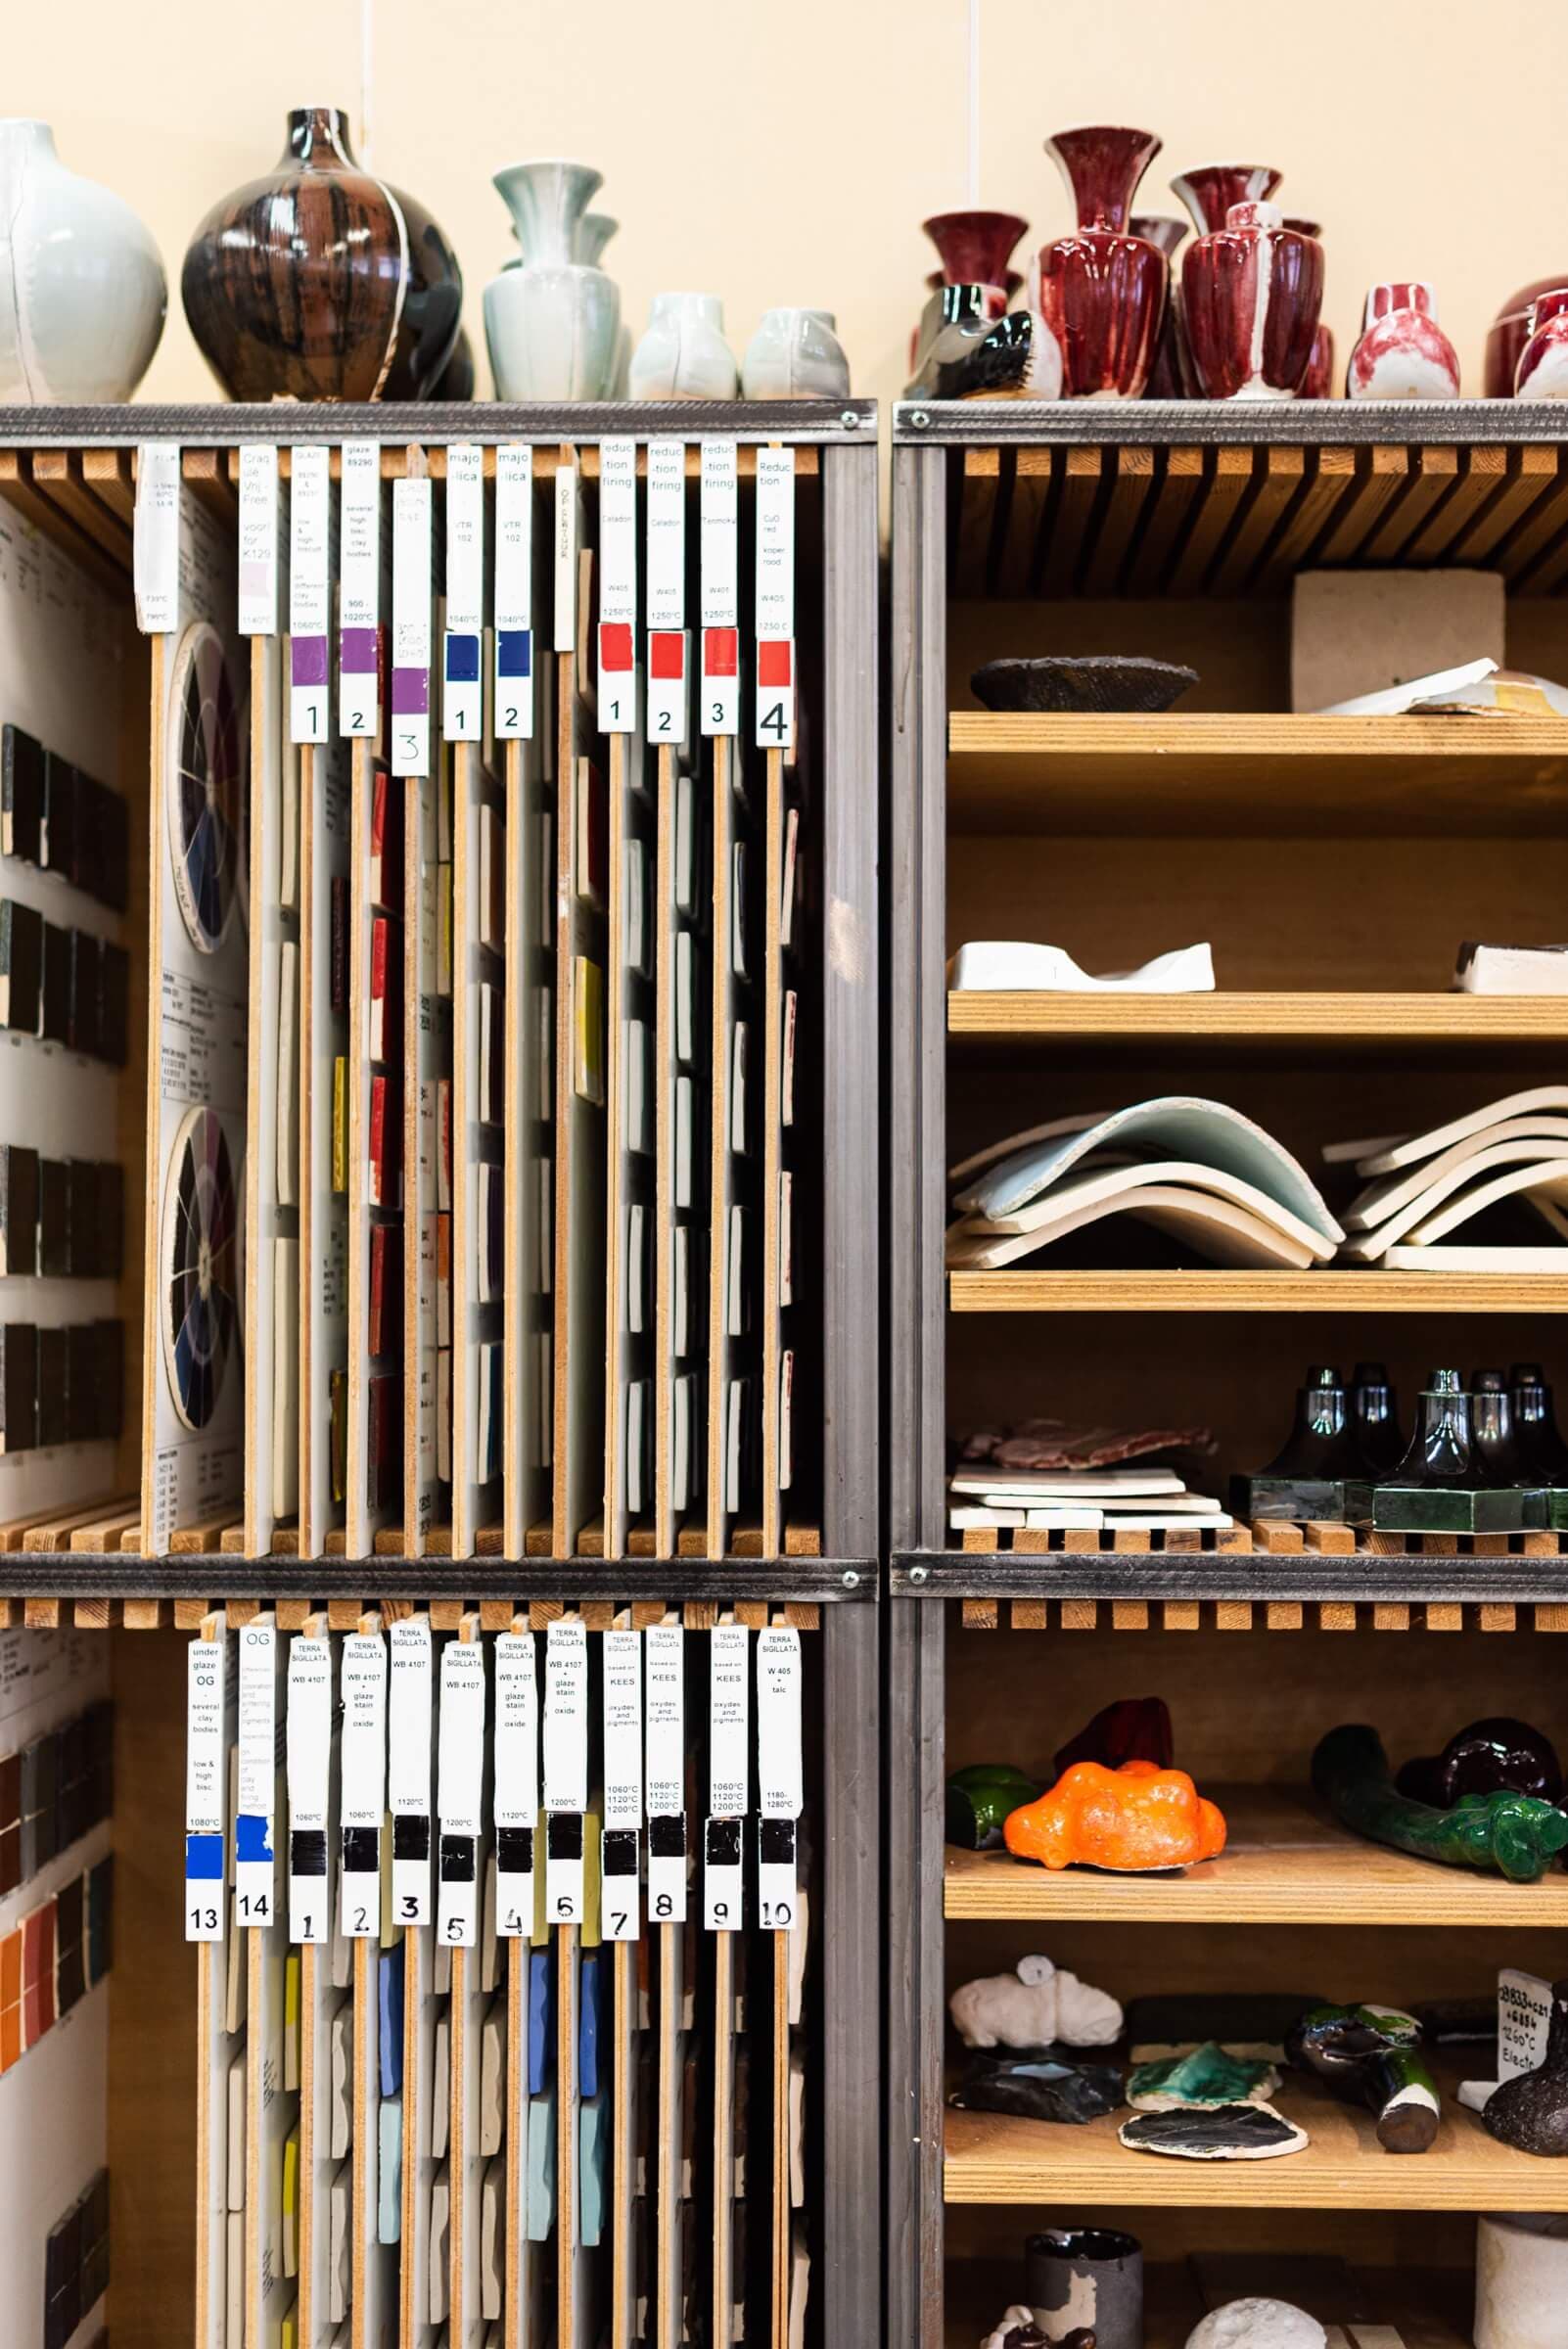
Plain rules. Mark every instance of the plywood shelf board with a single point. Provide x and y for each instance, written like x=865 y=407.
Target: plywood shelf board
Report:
x=1286 y=1861
x=994 y=2157
x=1206 y=1290
x=1397 y=1017
x=1256 y=772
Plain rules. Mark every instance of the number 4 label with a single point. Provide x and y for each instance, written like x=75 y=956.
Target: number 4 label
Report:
x=775 y=693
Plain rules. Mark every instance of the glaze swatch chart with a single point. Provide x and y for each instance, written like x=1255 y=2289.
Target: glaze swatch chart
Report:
x=456 y=2071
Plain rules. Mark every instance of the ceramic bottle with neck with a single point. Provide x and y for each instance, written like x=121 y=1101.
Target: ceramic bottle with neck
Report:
x=552 y=320
x=320 y=280
x=975 y=282
x=82 y=291
x=1101 y=290
x=1318 y=381
x=1251 y=294
x=1543 y=369
x=1403 y=353
x=1165 y=378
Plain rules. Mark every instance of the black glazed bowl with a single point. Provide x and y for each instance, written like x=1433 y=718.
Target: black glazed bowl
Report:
x=1108 y=684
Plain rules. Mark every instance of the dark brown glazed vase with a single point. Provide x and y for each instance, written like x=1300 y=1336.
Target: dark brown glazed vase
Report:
x=1102 y=290
x=320 y=280
x=1251 y=294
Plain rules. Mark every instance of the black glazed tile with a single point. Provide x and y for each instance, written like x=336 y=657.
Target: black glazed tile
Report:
x=21 y=788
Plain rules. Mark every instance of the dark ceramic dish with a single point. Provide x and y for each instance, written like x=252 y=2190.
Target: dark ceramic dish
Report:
x=1109 y=684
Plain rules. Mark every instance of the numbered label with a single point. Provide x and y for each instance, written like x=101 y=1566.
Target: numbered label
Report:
x=259 y=538
x=309 y=591
x=206 y=1772
x=514 y=593
x=668 y=721
x=411 y=627
x=775 y=693
x=360 y=589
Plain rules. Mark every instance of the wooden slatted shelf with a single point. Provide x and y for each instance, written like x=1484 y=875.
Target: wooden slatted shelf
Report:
x=1393 y=1019
x=1285 y=1863
x=1204 y=1290
x=1241 y=518
x=1430 y=2307
x=1256 y=774
x=994 y=2157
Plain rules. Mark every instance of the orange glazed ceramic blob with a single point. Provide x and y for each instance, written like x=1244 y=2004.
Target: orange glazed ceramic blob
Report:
x=1136 y=1816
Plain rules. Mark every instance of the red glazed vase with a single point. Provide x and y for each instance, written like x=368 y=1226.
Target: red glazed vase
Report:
x=1318 y=381
x=1403 y=353
x=1102 y=290
x=1543 y=372
x=1250 y=297
x=975 y=247
x=1510 y=333
x=1167 y=377
x=1209 y=190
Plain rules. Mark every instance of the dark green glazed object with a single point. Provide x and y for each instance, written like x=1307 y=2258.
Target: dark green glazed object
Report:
x=1374 y=2055
x=1512 y=1835
x=979 y=1800
x=1443 y=1485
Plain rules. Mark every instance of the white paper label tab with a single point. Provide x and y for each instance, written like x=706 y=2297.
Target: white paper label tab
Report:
x=622 y=1657
x=667 y=1870
x=775 y=613
x=461 y=1791
x=668 y=657
x=206 y=1772
x=566 y=558
x=666 y=533
x=779 y=1771
x=359 y=589
x=517 y=1782
x=566 y=1717
x=363 y=1685
x=721 y=597
x=259 y=538
x=410 y=1723
x=618 y=531
x=565 y=1833
x=309 y=1778
x=309 y=592
x=514 y=593
x=775 y=693
x=411 y=627
x=256 y=1858
x=777 y=1899
x=728 y=1719
x=156 y=544
x=462 y=686
x=665 y=1682
x=617 y=677
x=620 y=1885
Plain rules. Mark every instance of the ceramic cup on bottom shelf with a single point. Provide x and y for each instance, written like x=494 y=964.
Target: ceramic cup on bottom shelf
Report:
x=795 y=355
x=82 y=291
x=1543 y=369
x=1521 y=2281
x=551 y=320
x=1403 y=353
x=1101 y=290
x=1087 y=2277
x=683 y=354
x=1251 y=294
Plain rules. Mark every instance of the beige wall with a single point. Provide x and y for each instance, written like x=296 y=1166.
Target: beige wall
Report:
x=779 y=154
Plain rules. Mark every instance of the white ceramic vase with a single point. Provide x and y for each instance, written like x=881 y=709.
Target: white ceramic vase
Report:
x=1521 y=2281
x=795 y=355
x=551 y=320
x=82 y=289
x=684 y=355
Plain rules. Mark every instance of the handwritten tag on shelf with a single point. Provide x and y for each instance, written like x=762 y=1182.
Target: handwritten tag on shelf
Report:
x=155 y=542
x=721 y=594
x=411 y=627
x=517 y=1782
x=309 y=1780
x=410 y=1797
x=514 y=592
x=362 y=1678
x=207 y=1776
x=462 y=684
x=359 y=588
x=257 y=603
x=255 y=1862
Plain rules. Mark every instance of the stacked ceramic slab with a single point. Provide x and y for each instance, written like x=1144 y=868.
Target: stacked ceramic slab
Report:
x=1421 y=1188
